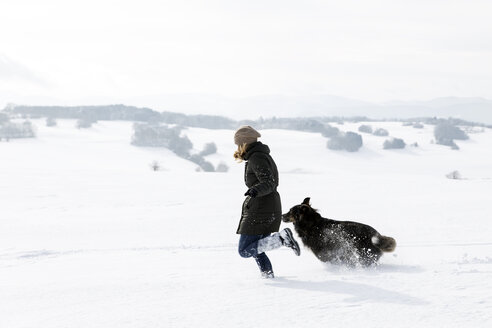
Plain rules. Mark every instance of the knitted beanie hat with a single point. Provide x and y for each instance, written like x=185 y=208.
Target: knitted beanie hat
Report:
x=246 y=135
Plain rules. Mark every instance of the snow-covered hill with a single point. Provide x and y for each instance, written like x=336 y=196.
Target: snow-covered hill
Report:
x=467 y=108
x=90 y=236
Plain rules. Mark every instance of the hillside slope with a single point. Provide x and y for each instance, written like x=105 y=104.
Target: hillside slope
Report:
x=90 y=236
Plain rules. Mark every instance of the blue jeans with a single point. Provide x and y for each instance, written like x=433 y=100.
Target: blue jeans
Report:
x=248 y=247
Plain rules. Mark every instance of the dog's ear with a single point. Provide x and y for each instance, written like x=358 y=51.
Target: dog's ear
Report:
x=306 y=201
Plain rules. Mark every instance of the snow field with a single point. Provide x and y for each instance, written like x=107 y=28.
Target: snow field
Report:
x=90 y=236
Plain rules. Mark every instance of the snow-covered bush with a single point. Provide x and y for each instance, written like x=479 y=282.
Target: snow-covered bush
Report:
x=155 y=166
x=209 y=149
x=349 y=141
x=298 y=124
x=365 y=128
x=315 y=125
x=473 y=129
x=180 y=146
x=222 y=167
x=85 y=123
x=394 y=143
x=154 y=135
x=448 y=142
x=4 y=118
x=446 y=133
x=381 y=132
x=455 y=175
x=196 y=158
x=204 y=165
x=50 y=121
x=11 y=130
x=418 y=126
x=330 y=131
x=307 y=124
x=207 y=166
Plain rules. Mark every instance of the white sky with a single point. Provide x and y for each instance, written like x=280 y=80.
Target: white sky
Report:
x=105 y=51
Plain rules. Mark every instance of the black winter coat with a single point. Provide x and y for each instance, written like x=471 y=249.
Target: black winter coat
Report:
x=261 y=214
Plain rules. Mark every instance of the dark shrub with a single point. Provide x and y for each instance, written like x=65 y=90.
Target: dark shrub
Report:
x=197 y=159
x=209 y=149
x=204 y=165
x=85 y=123
x=330 y=131
x=448 y=131
x=448 y=142
x=349 y=141
x=155 y=166
x=394 y=143
x=380 y=132
x=455 y=175
x=445 y=134
x=365 y=128
x=207 y=166
x=180 y=146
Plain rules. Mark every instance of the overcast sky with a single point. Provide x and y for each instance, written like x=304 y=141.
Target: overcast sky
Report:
x=105 y=51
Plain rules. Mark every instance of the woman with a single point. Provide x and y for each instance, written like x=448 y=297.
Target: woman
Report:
x=262 y=212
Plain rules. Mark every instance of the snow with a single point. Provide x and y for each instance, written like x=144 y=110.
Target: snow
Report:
x=90 y=236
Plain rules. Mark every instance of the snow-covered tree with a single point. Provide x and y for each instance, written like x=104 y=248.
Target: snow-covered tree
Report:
x=84 y=123
x=445 y=134
x=349 y=141
x=11 y=130
x=381 y=132
x=394 y=143
x=365 y=128
x=209 y=149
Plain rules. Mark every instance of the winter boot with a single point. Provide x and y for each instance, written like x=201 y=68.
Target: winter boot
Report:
x=267 y=275
x=288 y=240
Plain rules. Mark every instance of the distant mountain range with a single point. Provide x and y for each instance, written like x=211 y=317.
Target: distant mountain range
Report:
x=471 y=109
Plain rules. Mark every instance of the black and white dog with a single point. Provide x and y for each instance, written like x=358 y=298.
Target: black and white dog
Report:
x=338 y=242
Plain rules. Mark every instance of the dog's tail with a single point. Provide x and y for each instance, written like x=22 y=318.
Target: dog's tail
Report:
x=386 y=244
